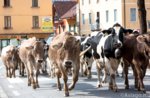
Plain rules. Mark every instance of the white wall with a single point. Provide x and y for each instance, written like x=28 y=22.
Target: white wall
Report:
x=110 y=5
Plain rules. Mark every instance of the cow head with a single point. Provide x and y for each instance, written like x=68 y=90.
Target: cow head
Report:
x=70 y=48
x=114 y=41
x=37 y=51
x=144 y=42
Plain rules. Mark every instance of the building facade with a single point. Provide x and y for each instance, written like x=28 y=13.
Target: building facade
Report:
x=104 y=13
x=24 y=19
x=64 y=14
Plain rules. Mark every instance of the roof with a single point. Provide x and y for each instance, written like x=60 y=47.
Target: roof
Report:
x=65 y=9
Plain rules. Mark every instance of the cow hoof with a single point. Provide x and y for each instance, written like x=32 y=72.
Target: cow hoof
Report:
x=59 y=89
x=34 y=87
x=37 y=86
x=89 y=77
x=71 y=87
x=104 y=81
x=110 y=87
x=115 y=90
x=29 y=84
x=99 y=85
x=144 y=91
x=126 y=87
x=66 y=94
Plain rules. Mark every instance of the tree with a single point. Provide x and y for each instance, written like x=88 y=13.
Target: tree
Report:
x=142 y=16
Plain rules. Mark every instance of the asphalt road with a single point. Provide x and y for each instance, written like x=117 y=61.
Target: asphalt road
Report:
x=85 y=88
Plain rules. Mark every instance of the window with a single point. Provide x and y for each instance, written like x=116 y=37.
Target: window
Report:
x=7 y=22
x=98 y=19
x=133 y=14
x=6 y=3
x=74 y=27
x=82 y=2
x=90 y=18
x=34 y=3
x=35 y=22
x=148 y=24
x=5 y=42
x=83 y=20
x=107 y=15
x=115 y=15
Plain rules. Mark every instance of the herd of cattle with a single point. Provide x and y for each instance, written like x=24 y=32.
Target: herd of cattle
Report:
x=68 y=54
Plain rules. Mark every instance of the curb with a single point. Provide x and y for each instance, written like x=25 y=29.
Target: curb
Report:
x=2 y=93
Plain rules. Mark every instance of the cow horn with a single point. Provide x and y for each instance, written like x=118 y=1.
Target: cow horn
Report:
x=83 y=52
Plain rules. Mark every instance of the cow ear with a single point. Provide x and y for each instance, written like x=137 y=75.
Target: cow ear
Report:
x=57 y=46
x=141 y=39
x=29 y=47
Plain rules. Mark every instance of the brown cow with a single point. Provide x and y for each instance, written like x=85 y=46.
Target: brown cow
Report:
x=31 y=53
x=135 y=53
x=65 y=56
x=9 y=59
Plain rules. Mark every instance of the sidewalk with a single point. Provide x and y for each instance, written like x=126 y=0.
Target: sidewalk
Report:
x=2 y=93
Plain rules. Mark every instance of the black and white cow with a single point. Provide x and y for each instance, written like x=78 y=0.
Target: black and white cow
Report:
x=106 y=51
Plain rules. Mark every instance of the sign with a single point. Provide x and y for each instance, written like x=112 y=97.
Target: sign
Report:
x=47 y=24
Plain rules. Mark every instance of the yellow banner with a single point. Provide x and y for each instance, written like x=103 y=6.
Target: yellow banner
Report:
x=47 y=24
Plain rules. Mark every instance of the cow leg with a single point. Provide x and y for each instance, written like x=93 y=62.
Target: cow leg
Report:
x=75 y=78
x=7 y=73
x=125 y=70
x=89 y=67
x=36 y=78
x=58 y=81
x=65 y=78
x=99 y=84
x=28 y=75
x=105 y=74
x=140 y=82
x=126 y=76
x=135 y=77
x=82 y=64
x=113 y=68
x=32 y=80
x=13 y=72
x=140 y=77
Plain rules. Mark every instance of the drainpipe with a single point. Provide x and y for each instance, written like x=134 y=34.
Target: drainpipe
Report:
x=79 y=18
x=124 y=1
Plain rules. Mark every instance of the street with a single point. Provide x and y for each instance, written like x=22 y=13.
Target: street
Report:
x=85 y=88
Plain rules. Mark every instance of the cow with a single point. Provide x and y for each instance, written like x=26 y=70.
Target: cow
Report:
x=135 y=52
x=106 y=51
x=9 y=59
x=45 y=62
x=64 y=55
x=93 y=42
x=86 y=59
x=31 y=53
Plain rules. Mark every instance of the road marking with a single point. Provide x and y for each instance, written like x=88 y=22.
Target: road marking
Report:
x=10 y=86
x=15 y=80
x=16 y=93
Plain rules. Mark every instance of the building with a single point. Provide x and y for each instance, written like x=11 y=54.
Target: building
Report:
x=65 y=12
x=102 y=14
x=25 y=18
